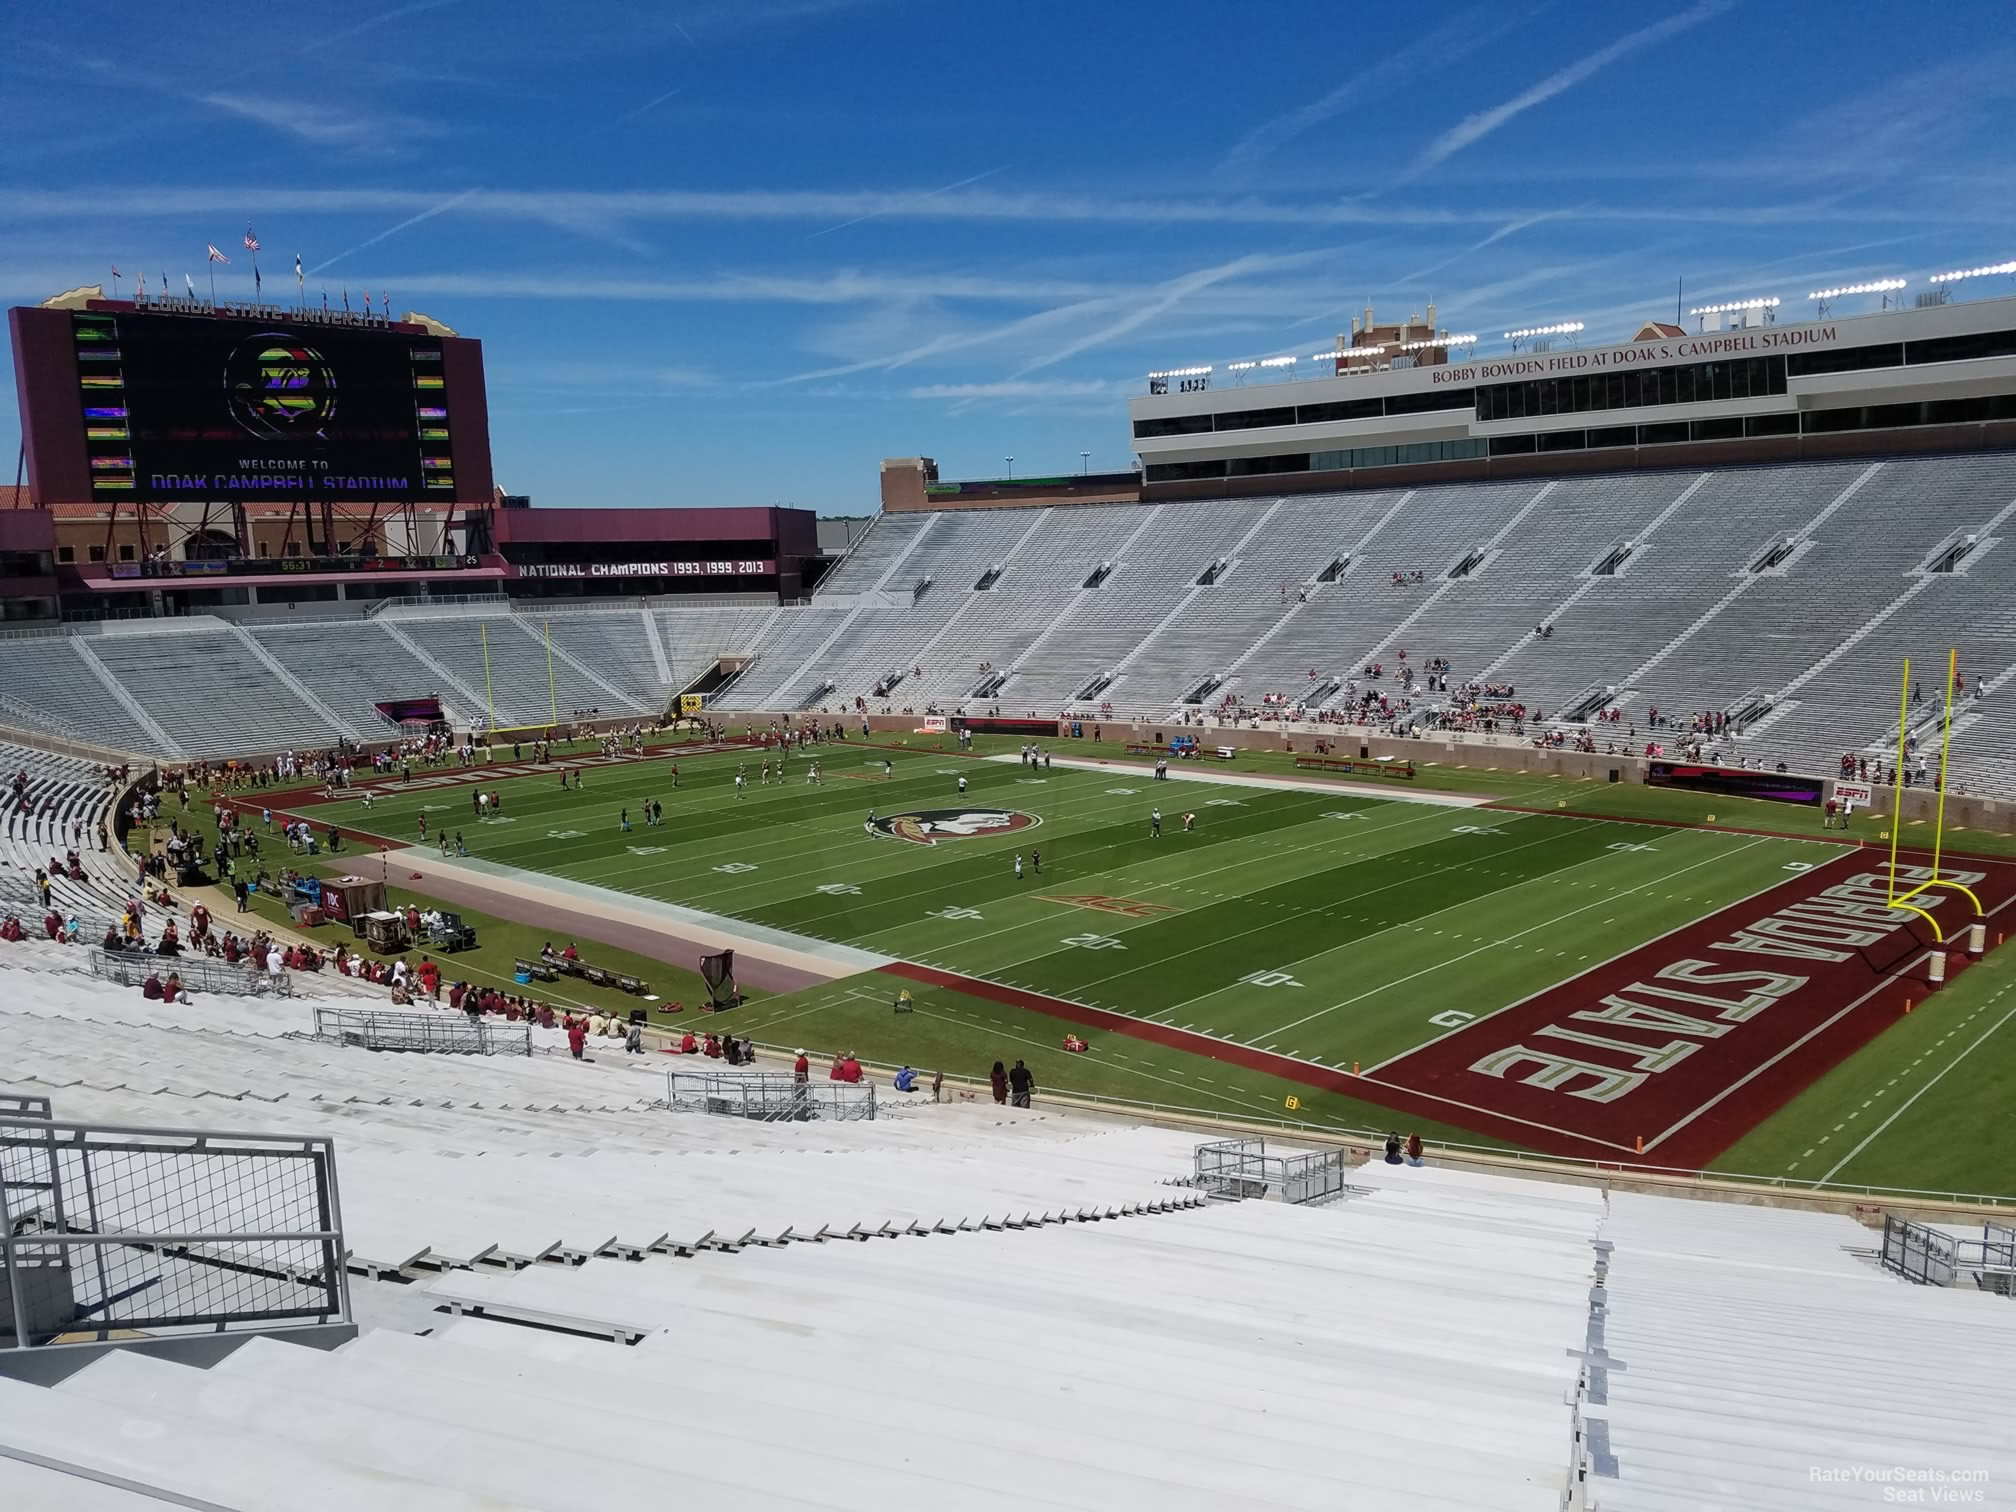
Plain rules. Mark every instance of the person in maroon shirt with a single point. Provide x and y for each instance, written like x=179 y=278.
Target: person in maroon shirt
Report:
x=577 y=1038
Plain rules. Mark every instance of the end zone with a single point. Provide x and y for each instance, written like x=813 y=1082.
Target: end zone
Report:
x=1688 y=1043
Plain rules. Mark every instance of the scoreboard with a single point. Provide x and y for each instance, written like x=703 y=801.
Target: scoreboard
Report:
x=159 y=406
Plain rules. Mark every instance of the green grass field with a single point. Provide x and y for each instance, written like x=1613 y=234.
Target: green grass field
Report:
x=1339 y=927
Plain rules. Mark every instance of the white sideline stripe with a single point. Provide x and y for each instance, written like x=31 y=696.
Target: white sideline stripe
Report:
x=1905 y=1106
x=777 y=946
x=1240 y=779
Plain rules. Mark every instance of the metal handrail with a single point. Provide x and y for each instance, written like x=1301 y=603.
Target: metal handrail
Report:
x=162 y=1257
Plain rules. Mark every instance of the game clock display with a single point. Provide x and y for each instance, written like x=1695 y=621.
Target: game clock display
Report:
x=180 y=407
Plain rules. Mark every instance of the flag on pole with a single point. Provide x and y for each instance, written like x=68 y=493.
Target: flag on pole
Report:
x=191 y=283
x=325 y=299
x=143 y=287
x=386 y=301
x=115 y=271
x=346 y=298
x=257 y=282
x=251 y=241
x=297 y=267
x=215 y=255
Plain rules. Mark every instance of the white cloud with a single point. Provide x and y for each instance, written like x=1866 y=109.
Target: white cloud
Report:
x=1448 y=43
x=572 y=208
x=1166 y=297
x=323 y=125
x=1014 y=389
x=1473 y=128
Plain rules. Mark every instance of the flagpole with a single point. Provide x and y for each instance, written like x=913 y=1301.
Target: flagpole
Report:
x=213 y=284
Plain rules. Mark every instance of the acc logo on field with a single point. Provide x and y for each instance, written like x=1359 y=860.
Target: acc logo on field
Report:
x=929 y=826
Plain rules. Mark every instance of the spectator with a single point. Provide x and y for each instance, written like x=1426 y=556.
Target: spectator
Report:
x=10 y=929
x=1392 y=1149
x=801 y=1068
x=633 y=1042
x=906 y=1080
x=688 y=1045
x=151 y=988
x=997 y=1080
x=1021 y=1083
x=577 y=1038
x=1413 y=1148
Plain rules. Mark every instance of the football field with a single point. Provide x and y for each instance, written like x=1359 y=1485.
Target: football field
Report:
x=1538 y=978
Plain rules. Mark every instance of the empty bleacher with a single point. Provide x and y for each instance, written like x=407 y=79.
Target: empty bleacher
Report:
x=955 y=1305
x=1786 y=594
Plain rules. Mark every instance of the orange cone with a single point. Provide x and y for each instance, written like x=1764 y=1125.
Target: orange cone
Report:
x=1641 y=1144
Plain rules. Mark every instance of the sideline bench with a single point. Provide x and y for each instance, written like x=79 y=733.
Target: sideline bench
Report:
x=1402 y=771
x=596 y=976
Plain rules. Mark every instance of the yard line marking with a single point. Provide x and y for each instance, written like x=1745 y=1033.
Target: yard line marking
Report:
x=1905 y=1106
x=1222 y=940
x=1607 y=898
x=1120 y=871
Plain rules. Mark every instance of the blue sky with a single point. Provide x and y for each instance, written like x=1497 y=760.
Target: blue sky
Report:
x=738 y=251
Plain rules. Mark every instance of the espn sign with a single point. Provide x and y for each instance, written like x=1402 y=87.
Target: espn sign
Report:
x=1854 y=792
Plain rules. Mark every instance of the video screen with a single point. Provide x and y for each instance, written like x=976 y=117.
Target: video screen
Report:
x=1737 y=782
x=231 y=410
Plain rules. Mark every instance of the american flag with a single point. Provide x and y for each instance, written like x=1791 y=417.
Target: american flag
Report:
x=251 y=241
x=215 y=255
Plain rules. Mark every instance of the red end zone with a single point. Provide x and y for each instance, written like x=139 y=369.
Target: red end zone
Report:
x=1691 y=1041
x=1688 y=1042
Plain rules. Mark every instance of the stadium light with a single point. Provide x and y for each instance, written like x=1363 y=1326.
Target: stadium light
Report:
x=1277 y=362
x=1736 y=304
x=1468 y=338
x=1240 y=367
x=1189 y=372
x=1879 y=286
x=1987 y=272
x=1565 y=328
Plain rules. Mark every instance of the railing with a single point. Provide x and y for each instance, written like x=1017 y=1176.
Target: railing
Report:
x=1917 y=1252
x=427 y=1033
x=435 y=600
x=767 y=1096
x=198 y=973
x=108 y=1230
x=25 y=1105
x=1242 y=1168
x=1933 y=1257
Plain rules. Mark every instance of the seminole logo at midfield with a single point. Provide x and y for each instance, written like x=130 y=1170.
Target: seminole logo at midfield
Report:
x=929 y=826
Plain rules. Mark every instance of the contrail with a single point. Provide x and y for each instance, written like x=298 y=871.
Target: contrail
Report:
x=906 y=204
x=448 y=204
x=677 y=89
